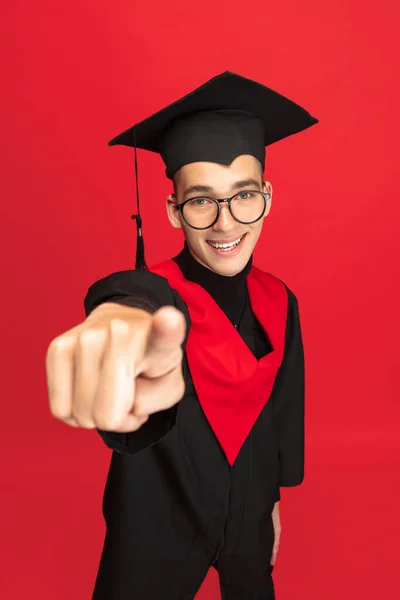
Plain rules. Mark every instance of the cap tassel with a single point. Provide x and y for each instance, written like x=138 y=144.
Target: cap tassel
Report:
x=140 y=263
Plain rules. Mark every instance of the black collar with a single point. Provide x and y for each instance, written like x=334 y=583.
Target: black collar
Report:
x=230 y=293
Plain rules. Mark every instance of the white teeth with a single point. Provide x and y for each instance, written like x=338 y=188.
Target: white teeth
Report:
x=231 y=245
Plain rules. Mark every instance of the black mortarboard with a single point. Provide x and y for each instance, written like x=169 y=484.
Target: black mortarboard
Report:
x=226 y=117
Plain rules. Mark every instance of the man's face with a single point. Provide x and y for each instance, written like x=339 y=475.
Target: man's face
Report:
x=219 y=181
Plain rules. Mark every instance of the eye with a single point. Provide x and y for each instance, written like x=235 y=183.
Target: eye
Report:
x=198 y=201
x=244 y=195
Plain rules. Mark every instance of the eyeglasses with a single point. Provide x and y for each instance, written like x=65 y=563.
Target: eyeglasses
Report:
x=203 y=212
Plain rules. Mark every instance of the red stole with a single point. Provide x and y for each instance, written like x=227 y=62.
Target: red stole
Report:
x=231 y=384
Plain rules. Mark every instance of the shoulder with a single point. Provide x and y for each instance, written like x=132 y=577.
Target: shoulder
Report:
x=293 y=316
x=125 y=280
x=134 y=283
x=275 y=281
x=127 y=283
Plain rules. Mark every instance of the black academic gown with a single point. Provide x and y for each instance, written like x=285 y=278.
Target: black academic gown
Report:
x=173 y=505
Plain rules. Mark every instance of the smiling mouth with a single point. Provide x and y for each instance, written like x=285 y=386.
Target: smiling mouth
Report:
x=226 y=247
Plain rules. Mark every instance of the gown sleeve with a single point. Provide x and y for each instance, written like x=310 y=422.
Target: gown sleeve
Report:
x=149 y=291
x=289 y=402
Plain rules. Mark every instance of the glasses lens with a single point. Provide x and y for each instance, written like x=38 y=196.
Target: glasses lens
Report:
x=245 y=206
x=200 y=212
x=248 y=206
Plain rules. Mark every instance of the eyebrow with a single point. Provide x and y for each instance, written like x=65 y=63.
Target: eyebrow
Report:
x=209 y=190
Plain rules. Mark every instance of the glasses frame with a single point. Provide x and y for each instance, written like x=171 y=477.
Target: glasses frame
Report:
x=219 y=201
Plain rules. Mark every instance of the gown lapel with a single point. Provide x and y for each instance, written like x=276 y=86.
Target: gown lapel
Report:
x=231 y=384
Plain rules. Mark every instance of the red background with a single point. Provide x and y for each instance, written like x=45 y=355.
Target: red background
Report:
x=77 y=73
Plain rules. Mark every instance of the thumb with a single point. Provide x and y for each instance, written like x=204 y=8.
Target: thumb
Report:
x=163 y=349
x=168 y=323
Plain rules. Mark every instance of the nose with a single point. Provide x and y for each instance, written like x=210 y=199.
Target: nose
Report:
x=225 y=220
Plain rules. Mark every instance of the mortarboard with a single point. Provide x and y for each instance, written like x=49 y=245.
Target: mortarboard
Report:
x=226 y=117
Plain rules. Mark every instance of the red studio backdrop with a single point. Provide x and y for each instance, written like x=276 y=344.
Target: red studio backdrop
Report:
x=76 y=73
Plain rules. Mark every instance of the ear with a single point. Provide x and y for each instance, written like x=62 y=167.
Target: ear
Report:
x=173 y=213
x=267 y=188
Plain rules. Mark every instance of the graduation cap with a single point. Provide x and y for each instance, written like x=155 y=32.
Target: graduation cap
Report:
x=226 y=117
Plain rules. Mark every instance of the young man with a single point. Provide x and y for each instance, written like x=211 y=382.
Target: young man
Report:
x=193 y=371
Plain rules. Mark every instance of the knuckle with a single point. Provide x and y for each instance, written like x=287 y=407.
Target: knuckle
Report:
x=59 y=344
x=89 y=337
x=71 y=422
x=82 y=417
x=118 y=328
x=84 y=423
x=106 y=423
x=58 y=413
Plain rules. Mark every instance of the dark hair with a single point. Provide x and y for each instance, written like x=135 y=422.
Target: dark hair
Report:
x=176 y=175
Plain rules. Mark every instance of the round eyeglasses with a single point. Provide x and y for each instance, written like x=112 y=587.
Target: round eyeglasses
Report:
x=202 y=212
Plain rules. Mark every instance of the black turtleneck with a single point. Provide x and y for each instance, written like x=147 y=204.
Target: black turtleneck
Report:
x=230 y=293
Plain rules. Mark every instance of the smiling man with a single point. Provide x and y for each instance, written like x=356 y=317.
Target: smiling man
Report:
x=229 y=232
x=194 y=482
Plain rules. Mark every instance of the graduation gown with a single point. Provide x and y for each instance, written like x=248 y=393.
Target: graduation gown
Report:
x=177 y=498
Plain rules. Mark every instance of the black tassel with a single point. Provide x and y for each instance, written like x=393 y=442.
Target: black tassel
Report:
x=140 y=262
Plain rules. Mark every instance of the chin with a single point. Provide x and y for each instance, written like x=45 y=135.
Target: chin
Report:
x=226 y=264
x=228 y=267
x=230 y=270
